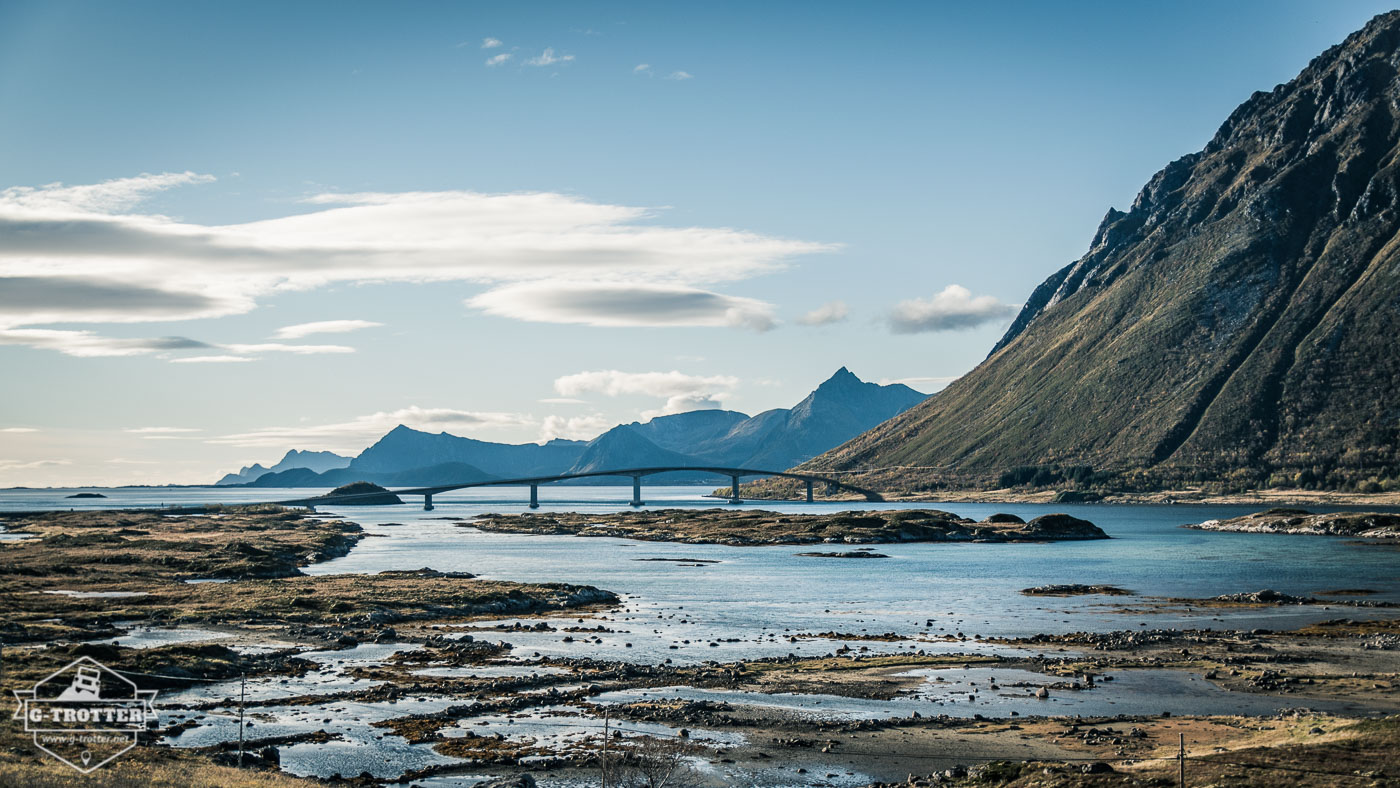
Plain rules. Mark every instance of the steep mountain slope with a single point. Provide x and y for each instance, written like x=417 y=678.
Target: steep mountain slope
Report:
x=1238 y=323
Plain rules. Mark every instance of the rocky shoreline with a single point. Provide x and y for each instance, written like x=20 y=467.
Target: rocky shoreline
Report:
x=1363 y=525
x=750 y=528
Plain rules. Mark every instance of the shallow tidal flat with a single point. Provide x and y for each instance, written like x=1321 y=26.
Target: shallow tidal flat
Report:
x=80 y=576
x=749 y=527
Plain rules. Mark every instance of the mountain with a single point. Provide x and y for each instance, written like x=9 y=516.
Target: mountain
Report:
x=316 y=461
x=248 y=473
x=839 y=409
x=1237 y=325
x=625 y=447
x=312 y=460
x=404 y=448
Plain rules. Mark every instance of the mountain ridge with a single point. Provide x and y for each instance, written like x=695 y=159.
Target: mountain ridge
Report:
x=838 y=409
x=1234 y=327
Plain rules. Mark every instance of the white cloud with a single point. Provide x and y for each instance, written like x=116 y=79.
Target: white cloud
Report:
x=623 y=305
x=642 y=68
x=575 y=427
x=954 y=309
x=679 y=75
x=160 y=430
x=323 y=327
x=563 y=401
x=682 y=392
x=126 y=461
x=18 y=429
x=106 y=197
x=496 y=60
x=359 y=432
x=548 y=58
x=71 y=254
x=830 y=312
x=684 y=403
x=211 y=360
x=490 y=43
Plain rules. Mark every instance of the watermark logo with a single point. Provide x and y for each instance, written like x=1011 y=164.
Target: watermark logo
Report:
x=85 y=714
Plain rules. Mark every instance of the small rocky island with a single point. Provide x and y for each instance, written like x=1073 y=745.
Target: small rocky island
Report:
x=365 y=494
x=1367 y=525
x=745 y=528
x=86 y=495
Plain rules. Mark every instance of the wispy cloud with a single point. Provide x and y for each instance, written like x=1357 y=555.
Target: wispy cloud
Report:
x=682 y=392
x=954 y=309
x=323 y=327
x=127 y=461
x=165 y=433
x=642 y=68
x=211 y=360
x=563 y=401
x=357 y=433
x=830 y=312
x=87 y=344
x=18 y=429
x=78 y=254
x=680 y=75
x=490 y=43
x=925 y=384
x=21 y=465
x=548 y=58
x=496 y=60
x=623 y=305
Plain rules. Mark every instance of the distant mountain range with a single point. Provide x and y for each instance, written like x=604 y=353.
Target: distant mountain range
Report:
x=1237 y=325
x=838 y=410
x=315 y=461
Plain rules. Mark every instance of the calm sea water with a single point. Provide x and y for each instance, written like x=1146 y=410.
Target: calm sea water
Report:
x=760 y=596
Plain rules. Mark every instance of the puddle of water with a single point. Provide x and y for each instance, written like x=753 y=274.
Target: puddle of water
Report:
x=97 y=594
x=142 y=637
x=563 y=727
x=492 y=671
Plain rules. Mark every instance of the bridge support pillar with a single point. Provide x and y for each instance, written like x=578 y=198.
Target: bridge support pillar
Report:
x=734 y=489
x=636 y=491
x=428 y=503
x=809 y=491
x=534 y=496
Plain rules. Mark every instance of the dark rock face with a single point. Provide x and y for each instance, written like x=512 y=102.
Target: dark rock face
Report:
x=1237 y=322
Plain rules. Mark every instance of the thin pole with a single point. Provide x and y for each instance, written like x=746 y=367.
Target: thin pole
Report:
x=1181 y=760
x=605 y=747
x=242 y=693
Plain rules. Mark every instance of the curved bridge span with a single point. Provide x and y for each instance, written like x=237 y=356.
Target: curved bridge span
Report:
x=636 y=474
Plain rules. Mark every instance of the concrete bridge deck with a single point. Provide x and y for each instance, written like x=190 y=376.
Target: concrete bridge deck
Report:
x=636 y=474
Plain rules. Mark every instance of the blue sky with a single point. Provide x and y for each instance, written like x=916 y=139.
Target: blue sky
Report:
x=639 y=208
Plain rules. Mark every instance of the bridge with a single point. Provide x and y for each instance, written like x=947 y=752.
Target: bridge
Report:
x=636 y=474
